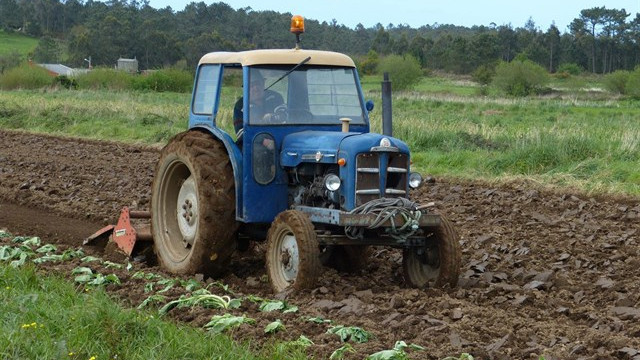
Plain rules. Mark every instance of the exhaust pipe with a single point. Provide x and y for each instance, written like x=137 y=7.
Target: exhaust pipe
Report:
x=387 y=120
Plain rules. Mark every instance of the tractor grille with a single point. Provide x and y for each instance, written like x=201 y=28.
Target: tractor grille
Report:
x=381 y=174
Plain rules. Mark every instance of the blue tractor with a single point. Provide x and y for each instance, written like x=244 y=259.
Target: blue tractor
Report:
x=302 y=172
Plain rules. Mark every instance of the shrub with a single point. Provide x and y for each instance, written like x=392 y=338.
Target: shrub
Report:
x=520 y=78
x=165 y=80
x=9 y=61
x=66 y=82
x=570 y=68
x=404 y=71
x=484 y=74
x=632 y=86
x=369 y=65
x=103 y=78
x=616 y=82
x=25 y=77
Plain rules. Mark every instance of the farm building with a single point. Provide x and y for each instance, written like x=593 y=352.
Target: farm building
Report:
x=129 y=65
x=59 y=69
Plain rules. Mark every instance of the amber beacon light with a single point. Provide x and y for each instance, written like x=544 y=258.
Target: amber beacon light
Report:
x=297 y=24
x=297 y=27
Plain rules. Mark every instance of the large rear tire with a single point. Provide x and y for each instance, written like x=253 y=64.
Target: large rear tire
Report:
x=193 y=205
x=293 y=256
x=438 y=264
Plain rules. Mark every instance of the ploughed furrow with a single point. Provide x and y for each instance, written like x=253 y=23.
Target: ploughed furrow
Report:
x=544 y=273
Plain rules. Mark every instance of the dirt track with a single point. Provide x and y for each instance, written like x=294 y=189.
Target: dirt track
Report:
x=544 y=273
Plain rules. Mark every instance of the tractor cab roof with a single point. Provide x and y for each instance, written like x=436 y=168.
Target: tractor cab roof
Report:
x=277 y=57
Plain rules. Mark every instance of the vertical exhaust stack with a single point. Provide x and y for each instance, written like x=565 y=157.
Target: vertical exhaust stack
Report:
x=387 y=120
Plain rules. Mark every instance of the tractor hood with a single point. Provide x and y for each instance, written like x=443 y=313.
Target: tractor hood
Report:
x=327 y=146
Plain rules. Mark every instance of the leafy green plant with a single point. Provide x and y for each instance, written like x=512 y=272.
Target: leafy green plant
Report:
x=222 y=323
x=274 y=305
x=153 y=299
x=65 y=256
x=202 y=298
x=397 y=353
x=319 y=320
x=85 y=275
x=90 y=259
x=340 y=352
x=27 y=241
x=274 y=327
x=352 y=333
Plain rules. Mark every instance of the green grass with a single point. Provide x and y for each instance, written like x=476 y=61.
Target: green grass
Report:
x=44 y=317
x=11 y=42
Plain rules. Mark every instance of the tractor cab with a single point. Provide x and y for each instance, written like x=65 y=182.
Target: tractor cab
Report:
x=283 y=92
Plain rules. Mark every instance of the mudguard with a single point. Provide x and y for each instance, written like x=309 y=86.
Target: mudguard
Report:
x=235 y=156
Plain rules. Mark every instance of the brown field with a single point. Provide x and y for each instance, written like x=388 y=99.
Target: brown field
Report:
x=544 y=272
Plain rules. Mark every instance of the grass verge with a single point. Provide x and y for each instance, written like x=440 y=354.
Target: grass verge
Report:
x=44 y=317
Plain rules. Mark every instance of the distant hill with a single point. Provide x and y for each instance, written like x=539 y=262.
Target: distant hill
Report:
x=10 y=42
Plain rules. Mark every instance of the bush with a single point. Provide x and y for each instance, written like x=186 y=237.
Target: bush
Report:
x=520 y=78
x=103 y=78
x=9 y=61
x=616 y=82
x=25 y=77
x=632 y=86
x=404 y=71
x=369 y=65
x=66 y=82
x=570 y=68
x=165 y=80
x=484 y=74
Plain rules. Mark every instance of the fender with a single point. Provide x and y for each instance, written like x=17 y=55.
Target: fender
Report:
x=235 y=156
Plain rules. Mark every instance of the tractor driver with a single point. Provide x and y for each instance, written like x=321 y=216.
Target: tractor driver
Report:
x=262 y=103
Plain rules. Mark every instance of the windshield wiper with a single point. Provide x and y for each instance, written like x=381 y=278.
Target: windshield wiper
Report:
x=290 y=71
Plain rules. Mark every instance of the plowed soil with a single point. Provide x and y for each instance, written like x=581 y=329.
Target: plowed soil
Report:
x=544 y=272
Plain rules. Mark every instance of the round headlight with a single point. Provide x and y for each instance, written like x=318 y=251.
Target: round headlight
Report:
x=332 y=182
x=415 y=179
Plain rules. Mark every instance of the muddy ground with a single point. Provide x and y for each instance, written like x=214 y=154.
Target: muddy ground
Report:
x=544 y=272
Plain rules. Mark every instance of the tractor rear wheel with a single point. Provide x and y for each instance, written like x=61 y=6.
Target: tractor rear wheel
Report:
x=438 y=263
x=293 y=255
x=193 y=205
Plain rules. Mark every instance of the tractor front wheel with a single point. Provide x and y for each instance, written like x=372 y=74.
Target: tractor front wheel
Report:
x=293 y=256
x=438 y=263
x=193 y=205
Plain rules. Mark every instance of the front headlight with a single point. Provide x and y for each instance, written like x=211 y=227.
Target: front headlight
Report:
x=332 y=182
x=415 y=179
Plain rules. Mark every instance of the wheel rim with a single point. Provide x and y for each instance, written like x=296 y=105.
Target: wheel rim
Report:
x=178 y=232
x=288 y=258
x=187 y=210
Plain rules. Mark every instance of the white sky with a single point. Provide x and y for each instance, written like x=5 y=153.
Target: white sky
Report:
x=416 y=13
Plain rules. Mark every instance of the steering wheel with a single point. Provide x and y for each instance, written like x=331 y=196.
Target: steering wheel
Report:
x=281 y=113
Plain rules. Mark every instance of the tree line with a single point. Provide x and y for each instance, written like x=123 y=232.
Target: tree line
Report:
x=599 y=40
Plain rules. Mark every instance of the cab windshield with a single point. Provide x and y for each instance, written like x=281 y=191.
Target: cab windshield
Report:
x=310 y=95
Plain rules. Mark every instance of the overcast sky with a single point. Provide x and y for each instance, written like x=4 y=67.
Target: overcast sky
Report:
x=416 y=13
